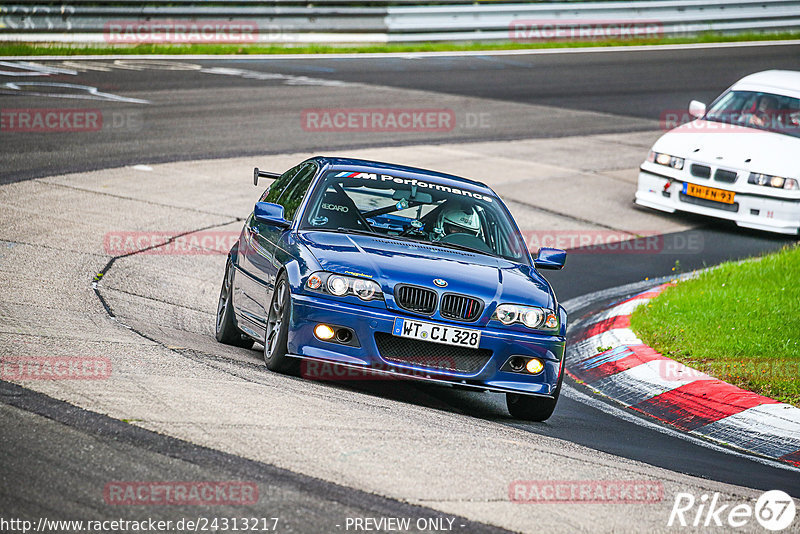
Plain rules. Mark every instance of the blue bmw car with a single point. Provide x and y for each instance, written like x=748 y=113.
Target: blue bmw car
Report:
x=399 y=271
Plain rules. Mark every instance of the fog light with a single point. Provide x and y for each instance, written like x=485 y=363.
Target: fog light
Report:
x=343 y=335
x=516 y=363
x=323 y=331
x=534 y=366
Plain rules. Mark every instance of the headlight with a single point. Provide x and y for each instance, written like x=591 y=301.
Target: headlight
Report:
x=340 y=286
x=506 y=314
x=337 y=285
x=778 y=182
x=665 y=159
x=365 y=289
x=530 y=316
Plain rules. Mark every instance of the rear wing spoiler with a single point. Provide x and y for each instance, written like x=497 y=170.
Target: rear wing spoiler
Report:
x=263 y=174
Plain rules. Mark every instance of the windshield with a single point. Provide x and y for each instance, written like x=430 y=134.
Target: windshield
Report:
x=765 y=111
x=413 y=209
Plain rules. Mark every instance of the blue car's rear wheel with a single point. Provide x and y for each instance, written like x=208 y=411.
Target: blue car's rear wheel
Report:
x=277 y=332
x=225 y=329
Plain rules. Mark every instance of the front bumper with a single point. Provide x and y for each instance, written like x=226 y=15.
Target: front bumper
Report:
x=365 y=322
x=750 y=211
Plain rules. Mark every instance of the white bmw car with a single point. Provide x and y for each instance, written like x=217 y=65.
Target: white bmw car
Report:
x=738 y=160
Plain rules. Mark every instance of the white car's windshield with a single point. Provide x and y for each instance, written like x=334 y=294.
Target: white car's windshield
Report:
x=765 y=111
x=414 y=209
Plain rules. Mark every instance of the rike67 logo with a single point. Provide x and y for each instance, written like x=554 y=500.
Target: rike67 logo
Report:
x=774 y=510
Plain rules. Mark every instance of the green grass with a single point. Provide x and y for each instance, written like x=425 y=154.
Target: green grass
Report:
x=30 y=49
x=739 y=322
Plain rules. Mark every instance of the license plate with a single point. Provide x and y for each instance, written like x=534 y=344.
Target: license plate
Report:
x=708 y=193
x=437 y=333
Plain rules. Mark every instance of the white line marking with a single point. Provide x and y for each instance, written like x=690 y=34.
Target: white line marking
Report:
x=32 y=69
x=90 y=93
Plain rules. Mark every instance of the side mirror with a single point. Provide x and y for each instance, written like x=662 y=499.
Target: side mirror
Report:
x=550 y=258
x=272 y=214
x=697 y=109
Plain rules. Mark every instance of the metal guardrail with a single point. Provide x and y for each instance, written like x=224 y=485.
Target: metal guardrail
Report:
x=337 y=21
x=665 y=18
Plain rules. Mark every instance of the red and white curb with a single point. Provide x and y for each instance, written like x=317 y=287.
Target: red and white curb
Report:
x=640 y=378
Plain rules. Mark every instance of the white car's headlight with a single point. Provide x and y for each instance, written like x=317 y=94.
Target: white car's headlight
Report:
x=767 y=180
x=530 y=316
x=340 y=286
x=665 y=159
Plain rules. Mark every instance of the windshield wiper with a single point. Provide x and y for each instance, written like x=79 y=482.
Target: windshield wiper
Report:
x=463 y=247
x=423 y=242
x=372 y=233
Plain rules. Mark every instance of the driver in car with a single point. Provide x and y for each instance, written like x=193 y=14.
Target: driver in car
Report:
x=767 y=106
x=457 y=219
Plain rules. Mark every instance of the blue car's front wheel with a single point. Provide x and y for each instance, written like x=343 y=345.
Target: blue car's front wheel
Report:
x=277 y=331
x=533 y=408
x=530 y=408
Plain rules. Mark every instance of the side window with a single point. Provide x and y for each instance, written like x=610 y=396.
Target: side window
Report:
x=273 y=192
x=296 y=191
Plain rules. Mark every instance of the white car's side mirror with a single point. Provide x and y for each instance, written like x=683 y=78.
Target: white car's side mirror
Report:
x=697 y=109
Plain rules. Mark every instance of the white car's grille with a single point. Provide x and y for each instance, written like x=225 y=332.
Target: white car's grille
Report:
x=725 y=176
x=701 y=171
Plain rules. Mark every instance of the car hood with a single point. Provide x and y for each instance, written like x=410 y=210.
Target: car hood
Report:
x=390 y=262
x=734 y=147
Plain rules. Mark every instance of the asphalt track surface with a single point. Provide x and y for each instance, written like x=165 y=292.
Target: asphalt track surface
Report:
x=198 y=115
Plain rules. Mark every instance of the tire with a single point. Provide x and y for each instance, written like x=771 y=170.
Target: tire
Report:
x=277 y=331
x=531 y=408
x=225 y=329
